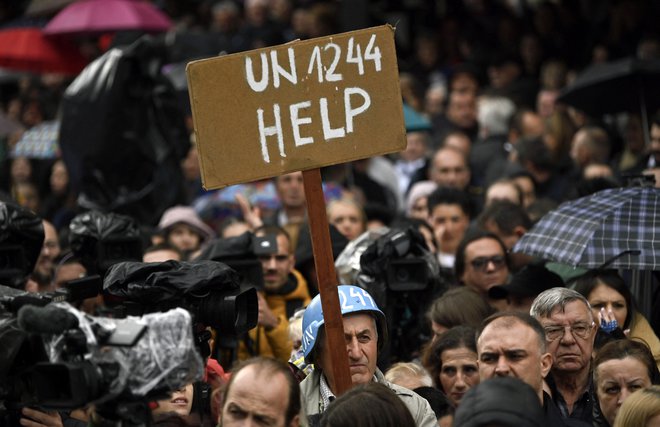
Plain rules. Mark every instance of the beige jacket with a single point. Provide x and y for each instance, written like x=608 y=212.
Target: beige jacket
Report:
x=419 y=408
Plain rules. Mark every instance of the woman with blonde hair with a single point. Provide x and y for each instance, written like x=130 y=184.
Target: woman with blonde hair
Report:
x=641 y=409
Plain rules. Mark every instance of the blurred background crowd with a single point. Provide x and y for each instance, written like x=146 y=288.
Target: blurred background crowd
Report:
x=480 y=75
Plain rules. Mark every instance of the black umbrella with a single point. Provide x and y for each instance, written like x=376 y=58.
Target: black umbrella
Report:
x=628 y=84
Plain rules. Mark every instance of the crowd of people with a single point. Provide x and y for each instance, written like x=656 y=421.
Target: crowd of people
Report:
x=492 y=337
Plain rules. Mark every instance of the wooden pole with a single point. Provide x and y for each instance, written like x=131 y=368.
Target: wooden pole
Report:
x=325 y=272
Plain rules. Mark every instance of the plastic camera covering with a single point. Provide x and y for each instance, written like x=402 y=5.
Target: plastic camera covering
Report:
x=348 y=262
x=164 y=358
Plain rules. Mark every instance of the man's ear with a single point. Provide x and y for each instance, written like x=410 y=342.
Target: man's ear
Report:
x=546 y=364
x=295 y=422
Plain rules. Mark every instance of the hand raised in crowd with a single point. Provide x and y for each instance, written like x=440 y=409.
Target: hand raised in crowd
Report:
x=267 y=318
x=36 y=418
x=251 y=214
x=608 y=323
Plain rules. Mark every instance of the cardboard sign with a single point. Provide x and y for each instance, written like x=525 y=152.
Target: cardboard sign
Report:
x=297 y=106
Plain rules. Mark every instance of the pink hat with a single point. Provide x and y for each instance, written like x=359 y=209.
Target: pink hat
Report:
x=185 y=215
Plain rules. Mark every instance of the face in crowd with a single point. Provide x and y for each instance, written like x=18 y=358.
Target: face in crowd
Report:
x=180 y=402
x=570 y=334
x=347 y=217
x=361 y=335
x=257 y=398
x=509 y=347
x=603 y=297
x=291 y=190
x=184 y=237
x=276 y=267
x=449 y=169
x=449 y=223
x=485 y=265
x=616 y=380
x=459 y=372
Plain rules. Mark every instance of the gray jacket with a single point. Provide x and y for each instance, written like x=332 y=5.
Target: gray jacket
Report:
x=418 y=406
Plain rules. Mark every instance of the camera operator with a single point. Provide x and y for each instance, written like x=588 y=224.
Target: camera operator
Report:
x=41 y=279
x=285 y=291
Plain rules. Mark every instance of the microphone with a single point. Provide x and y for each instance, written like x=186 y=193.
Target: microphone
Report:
x=46 y=320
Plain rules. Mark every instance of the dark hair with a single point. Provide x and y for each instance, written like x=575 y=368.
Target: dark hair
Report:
x=535 y=151
x=586 y=283
x=517 y=317
x=368 y=405
x=620 y=349
x=271 y=229
x=506 y=215
x=456 y=337
x=459 y=306
x=472 y=236
x=450 y=196
x=269 y=367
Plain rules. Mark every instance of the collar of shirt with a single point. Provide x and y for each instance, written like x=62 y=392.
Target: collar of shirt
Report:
x=583 y=407
x=327 y=396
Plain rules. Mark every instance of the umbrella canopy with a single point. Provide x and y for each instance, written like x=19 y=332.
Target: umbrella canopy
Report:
x=39 y=142
x=29 y=50
x=87 y=17
x=590 y=231
x=629 y=84
x=624 y=85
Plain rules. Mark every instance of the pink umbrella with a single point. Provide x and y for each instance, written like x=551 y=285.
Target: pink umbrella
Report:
x=87 y=17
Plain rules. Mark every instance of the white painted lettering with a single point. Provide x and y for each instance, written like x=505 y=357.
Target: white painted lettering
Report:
x=296 y=121
x=352 y=112
x=261 y=85
x=328 y=131
x=280 y=71
x=265 y=131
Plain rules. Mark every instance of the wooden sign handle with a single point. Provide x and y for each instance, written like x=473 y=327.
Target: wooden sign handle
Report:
x=327 y=279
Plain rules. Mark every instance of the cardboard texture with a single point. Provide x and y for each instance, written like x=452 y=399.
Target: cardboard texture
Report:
x=297 y=106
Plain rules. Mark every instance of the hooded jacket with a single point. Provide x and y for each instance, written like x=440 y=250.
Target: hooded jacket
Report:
x=283 y=303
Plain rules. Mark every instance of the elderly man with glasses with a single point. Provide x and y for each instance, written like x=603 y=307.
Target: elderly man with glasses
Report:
x=570 y=332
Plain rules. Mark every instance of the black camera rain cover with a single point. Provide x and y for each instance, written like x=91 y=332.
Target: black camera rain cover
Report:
x=123 y=133
x=21 y=232
x=12 y=338
x=88 y=228
x=165 y=282
x=376 y=257
x=237 y=247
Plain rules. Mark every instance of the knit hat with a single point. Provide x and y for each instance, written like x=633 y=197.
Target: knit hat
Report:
x=419 y=189
x=185 y=215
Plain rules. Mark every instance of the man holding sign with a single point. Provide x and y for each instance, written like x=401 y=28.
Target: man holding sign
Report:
x=365 y=332
x=299 y=107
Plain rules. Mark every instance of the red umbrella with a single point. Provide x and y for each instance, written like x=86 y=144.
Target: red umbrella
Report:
x=86 y=17
x=29 y=50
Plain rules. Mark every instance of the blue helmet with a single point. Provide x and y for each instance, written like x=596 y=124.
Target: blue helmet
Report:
x=352 y=299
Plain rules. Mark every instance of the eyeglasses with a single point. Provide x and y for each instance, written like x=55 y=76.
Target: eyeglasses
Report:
x=581 y=330
x=481 y=263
